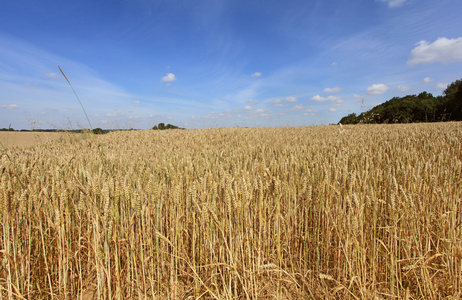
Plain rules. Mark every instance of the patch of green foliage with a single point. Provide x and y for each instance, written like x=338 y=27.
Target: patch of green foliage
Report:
x=414 y=108
x=99 y=131
x=162 y=126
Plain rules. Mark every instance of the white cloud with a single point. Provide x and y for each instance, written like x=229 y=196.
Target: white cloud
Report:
x=136 y=102
x=403 y=88
x=394 y=3
x=333 y=109
x=297 y=107
x=247 y=107
x=377 y=89
x=427 y=80
x=114 y=115
x=9 y=106
x=310 y=110
x=318 y=98
x=357 y=96
x=169 y=77
x=441 y=86
x=277 y=103
x=256 y=74
x=251 y=101
x=332 y=90
x=329 y=98
x=442 y=50
x=334 y=64
x=52 y=75
x=290 y=99
x=210 y=115
x=71 y=108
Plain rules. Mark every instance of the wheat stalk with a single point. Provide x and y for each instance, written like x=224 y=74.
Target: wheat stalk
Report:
x=89 y=123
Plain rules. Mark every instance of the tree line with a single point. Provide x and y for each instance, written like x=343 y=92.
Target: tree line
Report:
x=160 y=126
x=414 y=108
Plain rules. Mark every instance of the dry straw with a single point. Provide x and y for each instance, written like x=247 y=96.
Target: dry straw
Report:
x=289 y=213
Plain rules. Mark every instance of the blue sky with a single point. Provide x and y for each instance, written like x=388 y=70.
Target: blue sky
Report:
x=219 y=63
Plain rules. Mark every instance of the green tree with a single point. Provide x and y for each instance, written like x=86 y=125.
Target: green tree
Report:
x=453 y=100
x=350 y=119
x=170 y=126
x=98 y=131
x=162 y=126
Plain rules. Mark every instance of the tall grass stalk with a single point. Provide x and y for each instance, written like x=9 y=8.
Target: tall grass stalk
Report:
x=81 y=105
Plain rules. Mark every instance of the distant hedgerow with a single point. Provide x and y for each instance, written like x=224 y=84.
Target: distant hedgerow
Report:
x=162 y=126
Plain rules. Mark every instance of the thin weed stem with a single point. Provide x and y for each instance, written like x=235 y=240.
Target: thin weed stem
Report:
x=91 y=128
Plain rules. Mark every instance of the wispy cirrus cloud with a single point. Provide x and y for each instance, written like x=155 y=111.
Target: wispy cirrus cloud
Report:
x=394 y=3
x=25 y=64
x=310 y=112
x=290 y=99
x=114 y=115
x=319 y=98
x=403 y=88
x=332 y=90
x=277 y=103
x=9 y=106
x=52 y=75
x=297 y=107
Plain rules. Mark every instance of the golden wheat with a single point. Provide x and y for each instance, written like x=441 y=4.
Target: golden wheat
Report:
x=370 y=211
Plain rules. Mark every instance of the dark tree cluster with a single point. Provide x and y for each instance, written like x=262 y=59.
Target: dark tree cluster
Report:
x=162 y=126
x=99 y=131
x=414 y=108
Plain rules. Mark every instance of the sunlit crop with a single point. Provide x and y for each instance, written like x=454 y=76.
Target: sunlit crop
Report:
x=365 y=211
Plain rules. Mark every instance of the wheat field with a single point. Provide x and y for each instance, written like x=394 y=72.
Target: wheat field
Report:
x=322 y=212
x=9 y=139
